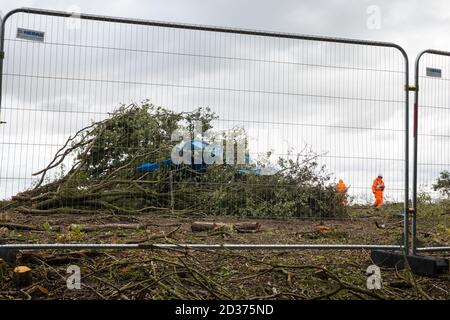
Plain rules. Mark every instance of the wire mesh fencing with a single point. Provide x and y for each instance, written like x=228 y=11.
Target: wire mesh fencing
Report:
x=133 y=117
x=432 y=155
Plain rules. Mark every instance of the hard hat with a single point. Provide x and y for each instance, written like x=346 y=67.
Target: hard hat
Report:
x=380 y=175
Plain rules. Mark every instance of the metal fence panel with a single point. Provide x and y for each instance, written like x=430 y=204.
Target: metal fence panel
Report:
x=431 y=151
x=343 y=99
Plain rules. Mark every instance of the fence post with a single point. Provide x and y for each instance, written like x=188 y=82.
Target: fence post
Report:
x=406 y=201
x=415 y=130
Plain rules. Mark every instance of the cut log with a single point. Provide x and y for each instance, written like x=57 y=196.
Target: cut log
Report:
x=22 y=276
x=244 y=227
x=247 y=227
x=117 y=226
x=16 y=226
x=200 y=226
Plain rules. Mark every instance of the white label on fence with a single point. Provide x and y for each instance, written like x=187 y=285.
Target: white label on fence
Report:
x=433 y=72
x=28 y=34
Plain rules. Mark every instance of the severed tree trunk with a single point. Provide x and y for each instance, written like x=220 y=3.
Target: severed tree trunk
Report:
x=115 y=226
x=247 y=227
x=199 y=226
x=22 y=276
x=244 y=227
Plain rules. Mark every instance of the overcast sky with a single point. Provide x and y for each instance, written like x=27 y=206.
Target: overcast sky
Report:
x=348 y=111
x=413 y=24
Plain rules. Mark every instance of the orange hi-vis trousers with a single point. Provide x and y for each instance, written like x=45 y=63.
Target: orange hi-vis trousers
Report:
x=378 y=199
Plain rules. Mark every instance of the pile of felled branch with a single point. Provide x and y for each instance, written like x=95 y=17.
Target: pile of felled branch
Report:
x=102 y=159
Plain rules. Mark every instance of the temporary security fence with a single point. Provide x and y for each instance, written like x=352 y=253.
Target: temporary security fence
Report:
x=431 y=180
x=302 y=112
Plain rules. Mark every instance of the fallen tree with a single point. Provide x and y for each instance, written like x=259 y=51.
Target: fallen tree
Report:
x=103 y=176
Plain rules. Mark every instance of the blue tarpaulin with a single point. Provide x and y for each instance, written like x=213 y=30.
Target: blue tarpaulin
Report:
x=145 y=167
x=194 y=145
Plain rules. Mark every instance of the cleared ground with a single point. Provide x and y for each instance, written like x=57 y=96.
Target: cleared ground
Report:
x=206 y=274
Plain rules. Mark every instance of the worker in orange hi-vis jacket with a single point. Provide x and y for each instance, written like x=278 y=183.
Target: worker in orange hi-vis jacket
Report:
x=378 y=189
x=341 y=190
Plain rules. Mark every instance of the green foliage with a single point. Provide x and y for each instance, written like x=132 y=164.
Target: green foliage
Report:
x=47 y=227
x=107 y=153
x=72 y=235
x=134 y=132
x=300 y=188
x=443 y=184
x=424 y=198
x=432 y=210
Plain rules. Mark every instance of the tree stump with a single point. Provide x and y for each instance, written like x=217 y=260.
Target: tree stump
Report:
x=22 y=276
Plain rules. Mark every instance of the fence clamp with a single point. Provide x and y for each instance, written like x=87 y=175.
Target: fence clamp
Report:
x=2 y=55
x=410 y=88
